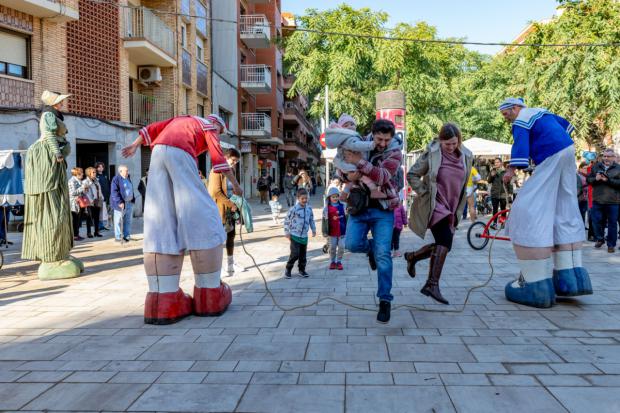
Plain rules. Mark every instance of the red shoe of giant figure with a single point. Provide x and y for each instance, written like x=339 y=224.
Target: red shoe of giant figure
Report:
x=212 y=301
x=166 y=308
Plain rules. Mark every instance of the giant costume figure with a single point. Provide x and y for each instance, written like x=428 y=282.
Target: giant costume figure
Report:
x=180 y=216
x=48 y=236
x=544 y=220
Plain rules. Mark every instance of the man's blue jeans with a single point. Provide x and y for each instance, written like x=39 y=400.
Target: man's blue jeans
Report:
x=380 y=224
x=599 y=213
x=126 y=215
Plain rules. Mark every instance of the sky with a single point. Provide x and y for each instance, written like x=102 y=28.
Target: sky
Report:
x=476 y=20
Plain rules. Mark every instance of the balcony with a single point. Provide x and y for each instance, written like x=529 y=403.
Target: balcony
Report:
x=148 y=40
x=202 y=79
x=53 y=10
x=288 y=81
x=147 y=109
x=256 y=78
x=294 y=115
x=186 y=61
x=256 y=125
x=255 y=32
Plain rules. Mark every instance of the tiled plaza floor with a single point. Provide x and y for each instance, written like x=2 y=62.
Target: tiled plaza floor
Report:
x=81 y=345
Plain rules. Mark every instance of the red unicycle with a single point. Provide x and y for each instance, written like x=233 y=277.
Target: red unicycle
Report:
x=479 y=233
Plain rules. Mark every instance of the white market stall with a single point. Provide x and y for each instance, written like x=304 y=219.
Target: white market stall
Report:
x=485 y=147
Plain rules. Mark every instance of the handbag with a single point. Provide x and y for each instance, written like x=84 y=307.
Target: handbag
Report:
x=83 y=201
x=357 y=201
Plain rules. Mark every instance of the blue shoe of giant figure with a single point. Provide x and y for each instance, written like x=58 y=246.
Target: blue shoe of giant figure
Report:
x=540 y=294
x=572 y=282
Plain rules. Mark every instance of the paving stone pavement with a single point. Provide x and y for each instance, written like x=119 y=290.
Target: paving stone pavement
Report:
x=81 y=345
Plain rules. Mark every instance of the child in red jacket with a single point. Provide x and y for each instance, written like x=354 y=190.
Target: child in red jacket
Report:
x=334 y=227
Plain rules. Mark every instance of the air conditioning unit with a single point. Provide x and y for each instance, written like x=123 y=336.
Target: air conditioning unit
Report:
x=149 y=74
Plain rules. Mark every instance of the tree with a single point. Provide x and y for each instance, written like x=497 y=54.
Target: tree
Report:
x=450 y=83
x=344 y=63
x=356 y=68
x=579 y=83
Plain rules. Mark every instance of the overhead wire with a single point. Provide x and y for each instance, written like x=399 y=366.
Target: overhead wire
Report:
x=374 y=37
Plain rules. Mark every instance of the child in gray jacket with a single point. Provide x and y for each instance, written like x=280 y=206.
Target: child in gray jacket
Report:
x=299 y=220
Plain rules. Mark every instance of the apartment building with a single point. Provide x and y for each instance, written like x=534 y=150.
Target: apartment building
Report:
x=125 y=65
x=261 y=93
x=301 y=147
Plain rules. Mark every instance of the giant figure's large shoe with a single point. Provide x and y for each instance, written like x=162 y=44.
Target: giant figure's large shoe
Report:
x=212 y=301
x=166 y=308
x=539 y=294
x=572 y=282
x=58 y=270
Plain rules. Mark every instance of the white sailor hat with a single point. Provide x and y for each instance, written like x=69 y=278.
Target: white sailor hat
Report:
x=510 y=102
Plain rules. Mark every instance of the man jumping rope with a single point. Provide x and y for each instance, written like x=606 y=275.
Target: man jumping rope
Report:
x=544 y=219
x=180 y=216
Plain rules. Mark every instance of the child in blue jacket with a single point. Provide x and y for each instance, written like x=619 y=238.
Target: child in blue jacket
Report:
x=299 y=220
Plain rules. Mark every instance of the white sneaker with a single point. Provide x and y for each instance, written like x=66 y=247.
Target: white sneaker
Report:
x=238 y=268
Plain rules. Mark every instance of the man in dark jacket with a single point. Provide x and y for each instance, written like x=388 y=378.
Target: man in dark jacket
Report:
x=105 y=190
x=290 y=187
x=499 y=194
x=142 y=187
x=121 y=200
x=605 y=181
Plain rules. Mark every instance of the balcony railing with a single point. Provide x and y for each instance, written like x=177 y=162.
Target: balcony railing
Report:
x=142 y=23
x=256 y=124
x=147 y=109
x=202 y=79
x=187 y=67
x=256 y=78
x=255 y=31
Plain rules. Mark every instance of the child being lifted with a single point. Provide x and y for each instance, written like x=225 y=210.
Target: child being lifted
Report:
x=343 y=136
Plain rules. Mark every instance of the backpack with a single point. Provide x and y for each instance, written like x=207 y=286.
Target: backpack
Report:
x=357 y=201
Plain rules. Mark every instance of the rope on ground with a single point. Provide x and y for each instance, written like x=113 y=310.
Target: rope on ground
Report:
x=358 y=307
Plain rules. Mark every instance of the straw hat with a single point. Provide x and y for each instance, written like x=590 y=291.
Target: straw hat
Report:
x=51 y=98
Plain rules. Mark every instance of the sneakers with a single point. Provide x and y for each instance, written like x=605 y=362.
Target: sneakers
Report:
x=333 y=266
x=287 y=274
x=599 y=244
x=371 y=260
x=339 y=266
x=611 y=249
x=303 y=274
x=383 y=316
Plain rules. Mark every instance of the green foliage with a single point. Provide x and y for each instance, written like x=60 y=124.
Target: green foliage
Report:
x=450 y=83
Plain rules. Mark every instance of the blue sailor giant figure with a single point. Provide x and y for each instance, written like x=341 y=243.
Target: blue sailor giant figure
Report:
x=544 y=224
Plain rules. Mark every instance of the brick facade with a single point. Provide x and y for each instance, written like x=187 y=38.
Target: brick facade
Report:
x=15 y=19
x=93 y=61
x=47 y=60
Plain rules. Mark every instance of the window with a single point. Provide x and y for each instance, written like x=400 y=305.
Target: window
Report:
x=200 y=47
x=183 y=35
x=14 y=54
x=225 y=115
x=186 y=101
x=201 y=18
x=200 y=110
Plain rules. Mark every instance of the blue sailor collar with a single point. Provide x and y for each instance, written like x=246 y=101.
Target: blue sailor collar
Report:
x=528 y=116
